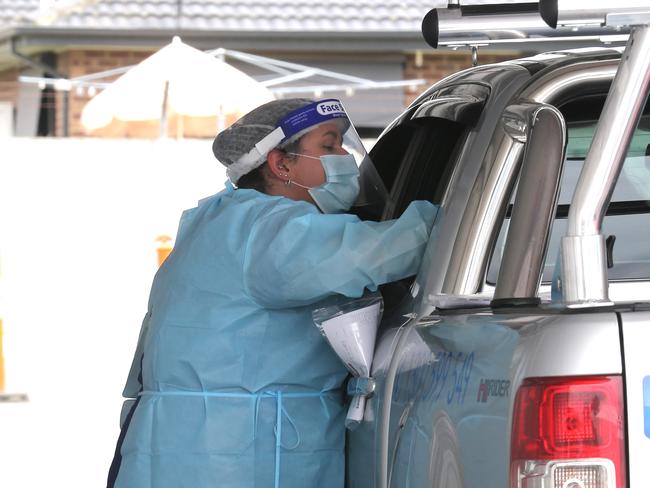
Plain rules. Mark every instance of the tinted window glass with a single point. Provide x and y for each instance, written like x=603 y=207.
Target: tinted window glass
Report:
x=415 y=159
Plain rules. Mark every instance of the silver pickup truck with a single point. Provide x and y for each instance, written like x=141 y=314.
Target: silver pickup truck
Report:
x=520 y=354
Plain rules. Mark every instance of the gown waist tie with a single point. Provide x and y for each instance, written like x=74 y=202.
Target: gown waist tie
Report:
x=280 y=411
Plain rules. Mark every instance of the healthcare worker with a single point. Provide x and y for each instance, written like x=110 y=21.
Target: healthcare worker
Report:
x=232 y=385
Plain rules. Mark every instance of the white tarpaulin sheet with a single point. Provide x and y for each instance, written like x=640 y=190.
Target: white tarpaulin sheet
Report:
x=78 y=224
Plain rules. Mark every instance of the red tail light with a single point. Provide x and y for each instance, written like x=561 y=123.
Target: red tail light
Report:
x=568 y=433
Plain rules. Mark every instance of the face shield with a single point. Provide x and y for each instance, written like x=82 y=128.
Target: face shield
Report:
x=372 y=192
x=330 y=112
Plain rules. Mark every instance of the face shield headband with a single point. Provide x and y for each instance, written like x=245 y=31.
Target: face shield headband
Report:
x=290 y=128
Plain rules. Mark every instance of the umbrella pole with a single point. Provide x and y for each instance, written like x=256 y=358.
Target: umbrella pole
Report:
x=163 y=116
x=221 y=119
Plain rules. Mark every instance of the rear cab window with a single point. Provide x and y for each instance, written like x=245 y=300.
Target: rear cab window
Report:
x=628 y=214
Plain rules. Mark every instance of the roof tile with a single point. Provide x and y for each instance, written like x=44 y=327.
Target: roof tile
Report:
x=228 y=15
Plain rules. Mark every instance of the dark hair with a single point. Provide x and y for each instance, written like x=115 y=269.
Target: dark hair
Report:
x=257 y=179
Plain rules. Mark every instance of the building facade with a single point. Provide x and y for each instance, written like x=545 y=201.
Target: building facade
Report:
x=378 y=40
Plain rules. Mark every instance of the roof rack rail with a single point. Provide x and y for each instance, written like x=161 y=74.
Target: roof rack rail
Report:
x=543 y=26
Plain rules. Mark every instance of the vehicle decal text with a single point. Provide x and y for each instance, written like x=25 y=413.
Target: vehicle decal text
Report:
x=492 y=388
x=445 y=378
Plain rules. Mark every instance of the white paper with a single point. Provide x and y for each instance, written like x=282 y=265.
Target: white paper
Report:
x=355 y=412
x=352 y=336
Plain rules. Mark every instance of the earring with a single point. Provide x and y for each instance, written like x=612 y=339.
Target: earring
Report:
x=288 y=182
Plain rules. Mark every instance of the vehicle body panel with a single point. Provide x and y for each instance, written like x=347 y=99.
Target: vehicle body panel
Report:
x=447 y=365
x=635 y=331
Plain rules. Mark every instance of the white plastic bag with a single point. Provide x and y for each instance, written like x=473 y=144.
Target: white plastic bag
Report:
x=350 y=327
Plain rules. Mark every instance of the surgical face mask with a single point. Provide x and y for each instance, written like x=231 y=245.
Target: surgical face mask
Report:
x=341 y=187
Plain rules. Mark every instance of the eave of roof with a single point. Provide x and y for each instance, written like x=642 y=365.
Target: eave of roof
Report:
x=30 y=37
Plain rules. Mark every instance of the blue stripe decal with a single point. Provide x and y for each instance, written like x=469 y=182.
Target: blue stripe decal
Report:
x=646 y=406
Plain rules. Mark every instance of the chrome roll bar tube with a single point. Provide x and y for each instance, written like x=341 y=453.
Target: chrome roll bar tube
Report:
x=467 y=23
x=581 y=15
x=583 y=255
x=539 y=186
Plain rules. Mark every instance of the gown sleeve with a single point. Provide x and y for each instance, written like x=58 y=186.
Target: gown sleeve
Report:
x=295 y=258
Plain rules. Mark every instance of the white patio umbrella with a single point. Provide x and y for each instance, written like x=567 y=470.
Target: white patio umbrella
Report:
x=180 y=79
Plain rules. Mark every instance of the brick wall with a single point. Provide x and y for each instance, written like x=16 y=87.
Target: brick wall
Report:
x=83 y=62
x=436 y=66
x=9 y=86
x=430 y=66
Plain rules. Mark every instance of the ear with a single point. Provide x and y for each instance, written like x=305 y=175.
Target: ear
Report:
x=276 y=161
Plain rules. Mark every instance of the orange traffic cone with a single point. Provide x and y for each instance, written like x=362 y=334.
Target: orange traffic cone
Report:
x=164 y=248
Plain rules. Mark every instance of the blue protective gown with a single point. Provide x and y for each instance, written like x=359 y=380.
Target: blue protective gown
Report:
x=235 y=386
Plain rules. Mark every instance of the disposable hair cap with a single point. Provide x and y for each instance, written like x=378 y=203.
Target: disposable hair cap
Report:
x=240 y=147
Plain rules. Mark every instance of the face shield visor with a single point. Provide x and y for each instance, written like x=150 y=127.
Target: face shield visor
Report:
x=330 y=115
